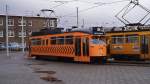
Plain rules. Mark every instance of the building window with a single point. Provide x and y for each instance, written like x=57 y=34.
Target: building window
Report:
x=52 y=23
x=45 y=23
x=11 y=33
x=29 y=32
x=20 y=22
x=1 y=21
x=30 y=23
x=10 y=22
x=49 y=23
x=1 y=33
x=20 y=34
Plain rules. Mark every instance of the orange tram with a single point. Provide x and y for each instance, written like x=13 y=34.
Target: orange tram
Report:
x=76 y=46
x=129 y=45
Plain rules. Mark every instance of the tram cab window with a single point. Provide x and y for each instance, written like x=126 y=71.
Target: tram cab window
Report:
x=53 y=40
x=35 y=42
x=97 y=40
x=132 y=39
x=118 y=39
x=60 y=40
x=69 y=39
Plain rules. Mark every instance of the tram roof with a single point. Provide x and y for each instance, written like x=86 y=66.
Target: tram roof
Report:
x=147 y=30
x=49 y=33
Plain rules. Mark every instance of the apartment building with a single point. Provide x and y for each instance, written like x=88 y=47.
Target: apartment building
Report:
x=30 y=24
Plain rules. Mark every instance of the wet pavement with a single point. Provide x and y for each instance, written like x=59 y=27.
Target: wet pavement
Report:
x=16 y=69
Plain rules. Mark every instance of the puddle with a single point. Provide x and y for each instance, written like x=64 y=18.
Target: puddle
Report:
x=45 y=75
x=44 y=71
x=42 y=63
x=49 y=78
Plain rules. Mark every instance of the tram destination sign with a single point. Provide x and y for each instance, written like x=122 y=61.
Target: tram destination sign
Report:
x=98 y=31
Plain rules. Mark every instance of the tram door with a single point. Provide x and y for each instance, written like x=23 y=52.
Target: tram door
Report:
x=144 y=45
x=82 y=49
x=85 y=46
x=149 y=47
x=77 y=46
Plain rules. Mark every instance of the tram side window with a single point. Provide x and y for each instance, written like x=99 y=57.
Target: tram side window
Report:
x=36 y=42
x=53 y=40
x=117 y=39
x=46 y=41
x=69 y=39
x=43 y=42
x=60 y=40
x=132 y=39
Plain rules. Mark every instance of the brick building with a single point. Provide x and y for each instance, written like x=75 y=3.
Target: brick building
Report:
x=30 y=24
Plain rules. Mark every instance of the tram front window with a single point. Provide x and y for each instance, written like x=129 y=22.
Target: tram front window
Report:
x=97 y=41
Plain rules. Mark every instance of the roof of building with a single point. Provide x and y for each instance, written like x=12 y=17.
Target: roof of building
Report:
x=29 y=16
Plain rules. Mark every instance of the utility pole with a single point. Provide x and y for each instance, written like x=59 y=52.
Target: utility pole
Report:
x=83 y=23
x=22 y=34
x=77 y=18
x=7 y=48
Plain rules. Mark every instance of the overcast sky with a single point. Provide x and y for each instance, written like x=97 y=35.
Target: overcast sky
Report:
x=98 y=16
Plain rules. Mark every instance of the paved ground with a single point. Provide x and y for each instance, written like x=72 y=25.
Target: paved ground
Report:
x=18 y=70
x=13 y=70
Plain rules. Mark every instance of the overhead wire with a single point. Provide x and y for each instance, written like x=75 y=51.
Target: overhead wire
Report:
x=64 y=2
x=102 y=4
x=128 y=8
x=54 y=7
x=61 y=3
x=97 y=5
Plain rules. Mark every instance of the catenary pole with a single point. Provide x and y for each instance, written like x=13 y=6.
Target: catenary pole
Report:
x=77 y=17
x=7 y=48
x=22 y=33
